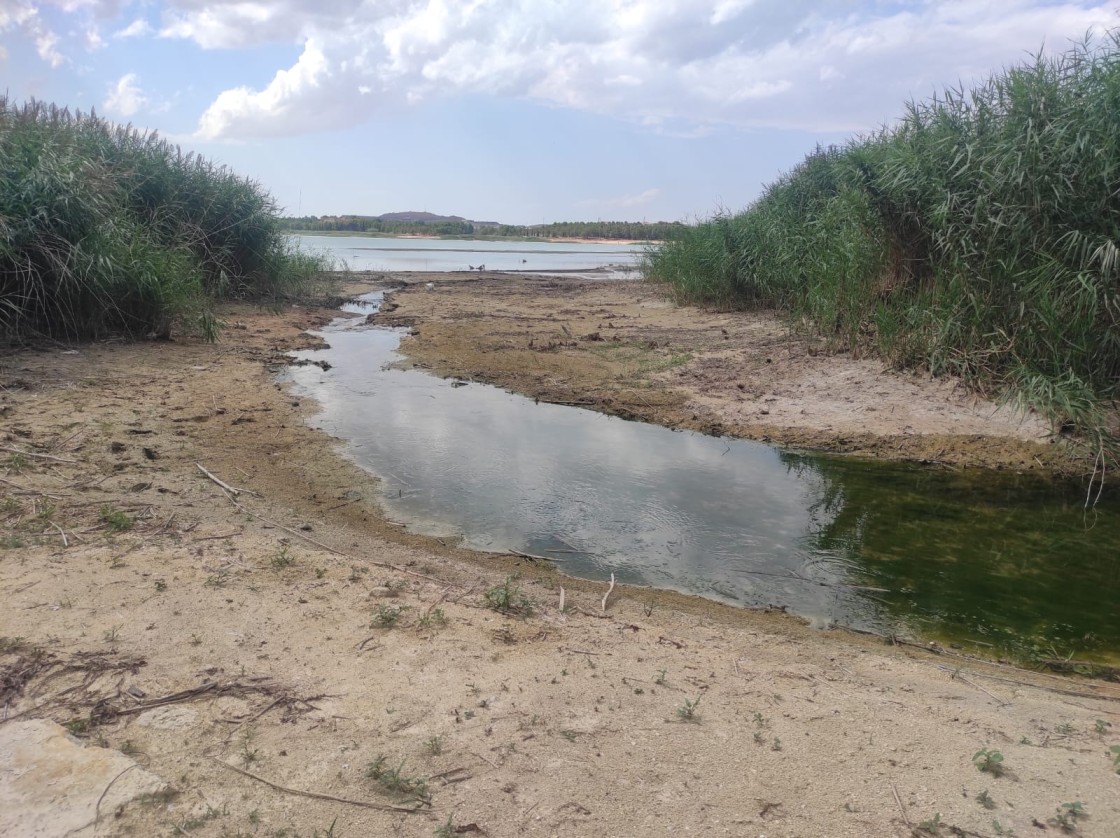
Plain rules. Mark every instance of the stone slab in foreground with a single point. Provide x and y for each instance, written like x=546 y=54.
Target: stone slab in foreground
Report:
x=50 y=783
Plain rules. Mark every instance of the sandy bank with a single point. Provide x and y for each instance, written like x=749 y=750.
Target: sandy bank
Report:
x=289 y=631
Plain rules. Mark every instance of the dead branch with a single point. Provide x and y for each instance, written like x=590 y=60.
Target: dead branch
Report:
x=39 y=456
x=232 y=489
x=315 y=795
x=606 y=596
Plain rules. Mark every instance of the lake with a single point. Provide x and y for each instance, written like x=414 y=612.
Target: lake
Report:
x=369 y=253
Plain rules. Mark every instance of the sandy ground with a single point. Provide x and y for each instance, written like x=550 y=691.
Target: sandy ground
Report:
x=623 y=348
x=290 y=634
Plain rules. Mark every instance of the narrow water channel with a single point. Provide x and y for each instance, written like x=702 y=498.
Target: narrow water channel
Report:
x=1010 y=563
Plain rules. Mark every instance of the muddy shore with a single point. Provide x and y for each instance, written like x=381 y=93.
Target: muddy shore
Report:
x=622 y=347
x=288 y=633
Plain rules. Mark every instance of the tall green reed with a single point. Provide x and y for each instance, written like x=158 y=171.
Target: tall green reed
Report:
x=105 y=229
x=979 y=236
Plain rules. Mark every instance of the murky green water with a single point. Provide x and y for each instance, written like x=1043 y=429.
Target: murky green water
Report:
x=1009 y=562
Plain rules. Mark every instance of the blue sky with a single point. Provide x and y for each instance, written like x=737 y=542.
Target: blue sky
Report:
x=523 y=111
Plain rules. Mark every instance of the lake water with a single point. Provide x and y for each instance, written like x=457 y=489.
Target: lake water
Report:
x=1009 y=563
x=369 y=253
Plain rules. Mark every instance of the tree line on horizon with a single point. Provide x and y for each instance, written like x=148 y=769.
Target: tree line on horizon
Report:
x=618 y=230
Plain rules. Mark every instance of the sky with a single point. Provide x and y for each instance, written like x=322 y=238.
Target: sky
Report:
x=520 y=111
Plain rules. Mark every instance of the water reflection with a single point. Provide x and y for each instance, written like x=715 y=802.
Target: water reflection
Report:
x=876 y=546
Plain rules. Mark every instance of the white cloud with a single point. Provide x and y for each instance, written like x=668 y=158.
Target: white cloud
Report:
x=139 y=28
x=125 y=97
x=25 y=16
x=94 y=41
x=691 y=65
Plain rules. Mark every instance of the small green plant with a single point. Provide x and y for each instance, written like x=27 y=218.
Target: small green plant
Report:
x=320 y=572
x=1068 y=816
x=660 y=679
x=446 y=829
x=78 y=726
x=1102 y=726
x=508 y=598
x=17 y=463
x=12 y=542
x=759 y=739
x=1114 y=755
x=434 y=746
x=249 y=754
x=989 y=761
x=687 y=711
x=985 y=800
x=115 y=520
x=196 y=640
x=386 y=616
x=393 y=781
x=433 y=619
x=161 y=585
x=776 y=745
x=283 y=559
x=1065 y=729
x=1000 y=829
x=931 y=826
x=570 y=735
x=760 y=721
x=112 y=634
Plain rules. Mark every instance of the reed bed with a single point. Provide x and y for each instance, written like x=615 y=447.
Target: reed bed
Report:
x=108 y=230
x=978 y=237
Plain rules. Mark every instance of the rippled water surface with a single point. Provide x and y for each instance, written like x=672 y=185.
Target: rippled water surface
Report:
x=1000 y=560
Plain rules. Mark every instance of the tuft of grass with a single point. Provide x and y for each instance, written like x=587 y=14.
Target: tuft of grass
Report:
x=509 y=598
x=386 y=616
x=393 y=781
x=116 y=520
x=282 y=559
x=434 y=746
x=687 y=712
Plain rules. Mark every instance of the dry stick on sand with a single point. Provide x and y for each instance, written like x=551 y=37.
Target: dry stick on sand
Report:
x=606 y=596
x=956 y=673
x=383 y=807
x=901 y=808
x=40 y=456
x=231 y=489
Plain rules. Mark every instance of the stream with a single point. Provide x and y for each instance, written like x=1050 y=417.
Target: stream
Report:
x=1004 y=563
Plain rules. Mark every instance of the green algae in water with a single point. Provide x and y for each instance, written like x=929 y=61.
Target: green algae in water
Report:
x=1011 y=563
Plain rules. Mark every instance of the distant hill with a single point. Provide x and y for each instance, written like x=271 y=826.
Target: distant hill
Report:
x=429 y=223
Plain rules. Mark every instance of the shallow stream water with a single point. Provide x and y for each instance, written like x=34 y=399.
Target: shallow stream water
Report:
x=1010 y=563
